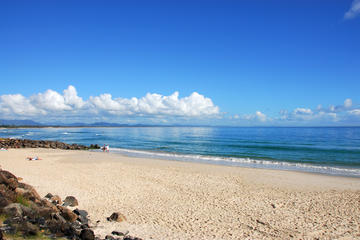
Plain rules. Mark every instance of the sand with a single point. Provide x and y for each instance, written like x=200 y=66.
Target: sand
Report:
x=181 y=200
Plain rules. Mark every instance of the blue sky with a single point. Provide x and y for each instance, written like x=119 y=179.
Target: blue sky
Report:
x=249 y=62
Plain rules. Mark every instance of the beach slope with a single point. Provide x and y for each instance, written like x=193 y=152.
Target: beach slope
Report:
x=181 y=200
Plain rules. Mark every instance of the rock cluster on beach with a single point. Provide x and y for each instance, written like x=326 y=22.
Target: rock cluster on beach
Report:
x=24 y=213
x=27 y=143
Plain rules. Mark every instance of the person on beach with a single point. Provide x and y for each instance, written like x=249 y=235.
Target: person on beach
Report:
x=33 y=158
x=107 y=148
x=104 y=148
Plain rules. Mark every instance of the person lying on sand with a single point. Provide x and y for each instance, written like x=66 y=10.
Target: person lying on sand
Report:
x=33 y=158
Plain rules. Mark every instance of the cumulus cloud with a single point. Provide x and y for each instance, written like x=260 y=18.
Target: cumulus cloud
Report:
x=71 y=98
x=260 y=116
x=354 y=10
x=303 y=111
x=195 y=105
x=348 y=103
x=17 y=104
x=355 y=112
x=69 y=103
x=333 y=113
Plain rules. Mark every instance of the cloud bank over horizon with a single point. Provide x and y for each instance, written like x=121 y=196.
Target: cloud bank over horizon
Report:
x=68 y=106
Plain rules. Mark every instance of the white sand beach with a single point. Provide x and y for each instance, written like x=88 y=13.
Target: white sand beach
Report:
x=181 y=200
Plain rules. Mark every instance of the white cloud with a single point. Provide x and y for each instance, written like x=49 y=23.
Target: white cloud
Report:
x=17 y=104
x=260 y=116
x=52 y=103
x=318 y=115
x=49 y=101
x=195 y=105
x=303 y=111
x=354 y=10
x=355 y=112
x=348 y=103
x=71 y=97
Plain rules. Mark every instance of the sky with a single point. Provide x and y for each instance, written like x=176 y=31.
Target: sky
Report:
x=238 y=63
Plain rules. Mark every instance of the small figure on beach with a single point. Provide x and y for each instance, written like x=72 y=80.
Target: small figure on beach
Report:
x=33 y=158
x=106 y=148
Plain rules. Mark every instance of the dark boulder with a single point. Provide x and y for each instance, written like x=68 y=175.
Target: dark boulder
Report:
x=49 y=196
x=28 y=228
x=117 y=217
x=71 y=201
x=56 y=199
x=87 y=234
x=67 y=214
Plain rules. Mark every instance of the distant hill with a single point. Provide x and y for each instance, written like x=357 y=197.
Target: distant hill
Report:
x=30 y=123
x=106 y=124
x=19 y=122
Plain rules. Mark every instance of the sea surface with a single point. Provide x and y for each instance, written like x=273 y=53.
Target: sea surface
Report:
x=333 y=150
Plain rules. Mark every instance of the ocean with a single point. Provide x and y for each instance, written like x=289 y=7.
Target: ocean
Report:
x=327 y=150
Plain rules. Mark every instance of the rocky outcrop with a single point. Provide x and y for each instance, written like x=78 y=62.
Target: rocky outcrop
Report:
x=24 y=212
x=27 y=143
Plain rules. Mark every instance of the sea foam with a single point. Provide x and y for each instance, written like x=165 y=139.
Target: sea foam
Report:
x=241 y=162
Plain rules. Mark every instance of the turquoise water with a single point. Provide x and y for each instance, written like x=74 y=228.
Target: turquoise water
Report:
x=323 y=150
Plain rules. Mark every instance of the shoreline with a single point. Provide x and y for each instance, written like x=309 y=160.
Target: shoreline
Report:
x=247 y=163
x=183 y=200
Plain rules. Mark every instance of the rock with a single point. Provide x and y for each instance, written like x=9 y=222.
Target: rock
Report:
x=7 y=193
x=131 y=238
x=83 y=220
x=3 y=201
x=55 y=199
x=82 y=216
x=13 y=183
x=57 y=217
x=32 y=193
x=81 y=212
x=49 y=196
x=87 y=234
x=13 y=210
x=117 y=217
x=26 y=143
x=109 y=237
x=67 y=214
x=7 y=179
x=59 y=226
x=7 y=174
x=28 y=228
x=70 y=201
x=20 y=191
x=84 y=226
x=119 y=233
